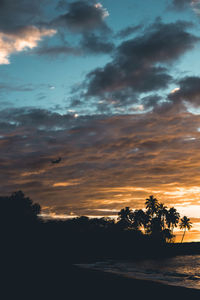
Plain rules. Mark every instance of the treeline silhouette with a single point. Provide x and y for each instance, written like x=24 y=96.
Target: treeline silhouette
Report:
x=25 y=233
x=38 y=254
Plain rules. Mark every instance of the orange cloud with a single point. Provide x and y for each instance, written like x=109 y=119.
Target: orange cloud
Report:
x=107 y=163
x=65 y=184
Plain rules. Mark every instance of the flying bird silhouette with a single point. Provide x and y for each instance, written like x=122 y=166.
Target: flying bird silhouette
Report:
x=56 y=161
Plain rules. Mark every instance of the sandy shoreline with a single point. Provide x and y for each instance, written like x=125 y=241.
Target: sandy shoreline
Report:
x=65 y=281
x=112 y=285
x=134 y=277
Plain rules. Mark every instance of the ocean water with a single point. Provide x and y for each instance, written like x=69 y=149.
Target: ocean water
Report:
x=179 y=271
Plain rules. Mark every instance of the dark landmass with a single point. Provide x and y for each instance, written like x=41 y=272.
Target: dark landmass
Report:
x=37 y=257
x=65 y=281
x=189 y=248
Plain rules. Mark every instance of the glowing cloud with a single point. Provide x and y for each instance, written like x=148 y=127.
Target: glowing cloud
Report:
x=175 y=90
x=105 y=13
x=65 y=184
x=27 y=38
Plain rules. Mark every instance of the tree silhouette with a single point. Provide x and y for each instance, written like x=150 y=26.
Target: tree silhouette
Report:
x=140 y=218
x=155 y=226
x=19 y=209
x=152 y=205
x=186 y=225
x=167 y=235
x=172 y=218
x=162 y=213
x=125 y=217
x=157 y=221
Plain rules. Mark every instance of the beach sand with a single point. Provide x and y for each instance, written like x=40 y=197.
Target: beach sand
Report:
x=94 y=284
x=60 y=281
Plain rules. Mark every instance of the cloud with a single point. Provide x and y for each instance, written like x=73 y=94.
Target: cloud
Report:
x=83 y=16
x=89 y=44
x=184 y=4
x=115 y=160
x=140 y=65
x=189 y=91
x=37 y=118
x=65 y=184
x=15 y=15
x=26 y=38
x=54 y=51
x=92 y=43
x=128 y=31
x=151 y=101
x=10 y=87
x=108 y=161
x=181 y=4
x=23 y=24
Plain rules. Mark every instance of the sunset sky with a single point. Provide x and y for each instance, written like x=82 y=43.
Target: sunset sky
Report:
x=111 y=87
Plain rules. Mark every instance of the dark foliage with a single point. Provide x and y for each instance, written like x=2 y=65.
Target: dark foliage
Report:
x=86 y=238
x=38 y=254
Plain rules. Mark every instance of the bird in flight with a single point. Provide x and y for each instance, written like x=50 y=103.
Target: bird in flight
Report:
x=56 y=161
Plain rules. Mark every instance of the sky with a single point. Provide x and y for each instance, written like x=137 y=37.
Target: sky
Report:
x=111 y=87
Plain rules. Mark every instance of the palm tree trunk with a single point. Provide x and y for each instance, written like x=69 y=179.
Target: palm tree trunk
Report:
x=183 y=235
x=172 y=234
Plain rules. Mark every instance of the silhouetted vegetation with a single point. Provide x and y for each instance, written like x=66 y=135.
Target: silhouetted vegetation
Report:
x=18 y=209
x=34 y=251
x=185 y=225
x=84 y=238
x=157 y=221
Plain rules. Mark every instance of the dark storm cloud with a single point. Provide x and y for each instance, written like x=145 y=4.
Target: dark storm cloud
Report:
x=128 y=31
x=82 y=16
x=189 y=91
x=140 y=64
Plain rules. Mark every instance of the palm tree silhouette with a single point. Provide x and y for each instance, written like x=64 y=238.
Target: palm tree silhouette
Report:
x=140 y=218
x=162 y=214
x=152 y=205
x=172 y=218
x=125 y=217
x=186 y=225
x=124 y=213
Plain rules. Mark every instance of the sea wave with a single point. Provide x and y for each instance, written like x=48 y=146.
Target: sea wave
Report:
x=179 y=271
